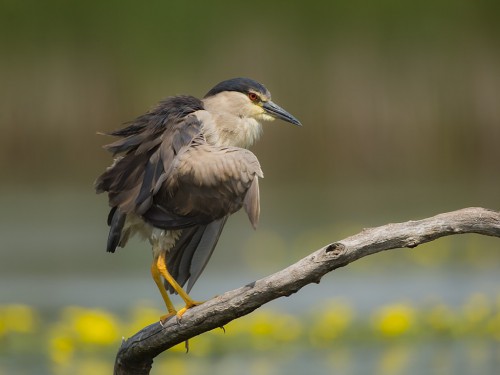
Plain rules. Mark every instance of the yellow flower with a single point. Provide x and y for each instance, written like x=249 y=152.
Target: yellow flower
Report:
x=331 y=323
x=3 y=328
x=92 y=326
x=264 y=328
x=262 y=323
x=17 y=318
x=261 y=328
x=61 y=345
x=61 y=349
x=394 y=320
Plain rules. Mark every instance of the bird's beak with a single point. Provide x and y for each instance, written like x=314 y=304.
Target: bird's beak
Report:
x=278 y=112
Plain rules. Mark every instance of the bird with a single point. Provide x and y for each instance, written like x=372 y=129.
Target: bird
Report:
x=179 y=171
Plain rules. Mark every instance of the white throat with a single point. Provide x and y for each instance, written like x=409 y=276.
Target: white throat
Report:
x=229 y=120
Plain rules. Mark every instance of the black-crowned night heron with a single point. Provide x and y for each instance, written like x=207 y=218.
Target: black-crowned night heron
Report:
x=183 y=169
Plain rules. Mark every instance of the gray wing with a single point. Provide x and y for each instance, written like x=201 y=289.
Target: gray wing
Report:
x=147 y=147
x=206 y=183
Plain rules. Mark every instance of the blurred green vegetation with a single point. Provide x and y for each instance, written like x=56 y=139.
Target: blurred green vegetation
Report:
x=397 y=90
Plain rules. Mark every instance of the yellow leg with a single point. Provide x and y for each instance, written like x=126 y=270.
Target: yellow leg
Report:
x=159 y=283
x=162 y=268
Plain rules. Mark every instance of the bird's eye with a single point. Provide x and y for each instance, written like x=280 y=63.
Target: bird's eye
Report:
x=253 y=96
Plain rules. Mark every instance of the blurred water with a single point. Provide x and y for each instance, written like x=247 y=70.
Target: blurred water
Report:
x=52 y=255
x=439 y=358
x=119 y=293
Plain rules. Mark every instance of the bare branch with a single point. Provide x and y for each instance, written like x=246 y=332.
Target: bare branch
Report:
x=136 y=354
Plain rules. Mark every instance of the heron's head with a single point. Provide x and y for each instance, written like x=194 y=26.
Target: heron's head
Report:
x=246 y=98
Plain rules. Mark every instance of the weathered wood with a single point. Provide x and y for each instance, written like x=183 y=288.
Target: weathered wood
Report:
x=136 y=354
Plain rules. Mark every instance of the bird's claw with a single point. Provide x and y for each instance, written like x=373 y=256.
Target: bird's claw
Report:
x=166 y=317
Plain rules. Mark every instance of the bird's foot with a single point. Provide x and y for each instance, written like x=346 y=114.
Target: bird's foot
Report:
x=190 y=304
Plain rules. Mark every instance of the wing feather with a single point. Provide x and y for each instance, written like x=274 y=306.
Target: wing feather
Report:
x=205 y=250
x=206 y=183
x=191 y=253
x=116 y=221
x=252 y=203
x=180 y=257
x=147 y=150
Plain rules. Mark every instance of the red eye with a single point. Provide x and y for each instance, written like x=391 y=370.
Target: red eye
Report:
x=253 y=96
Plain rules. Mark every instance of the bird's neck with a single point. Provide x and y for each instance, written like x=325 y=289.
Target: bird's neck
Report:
x=235 y=131
x=227 y=129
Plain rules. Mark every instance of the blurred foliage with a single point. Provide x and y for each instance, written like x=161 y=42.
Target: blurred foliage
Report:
x=92 y=335
x=387 y=89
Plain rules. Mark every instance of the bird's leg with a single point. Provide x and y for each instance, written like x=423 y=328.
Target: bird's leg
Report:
x=162 y=268
x=159 y=283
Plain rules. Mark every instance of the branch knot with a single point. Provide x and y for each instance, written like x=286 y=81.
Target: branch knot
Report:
x=336 y=249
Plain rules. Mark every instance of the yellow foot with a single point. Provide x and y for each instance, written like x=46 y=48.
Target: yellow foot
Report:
x=189 y=305
x=166 y=317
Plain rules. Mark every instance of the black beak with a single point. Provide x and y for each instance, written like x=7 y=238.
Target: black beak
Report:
x=278 y=112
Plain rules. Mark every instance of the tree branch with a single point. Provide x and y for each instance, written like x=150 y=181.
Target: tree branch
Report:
x=136 y=354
